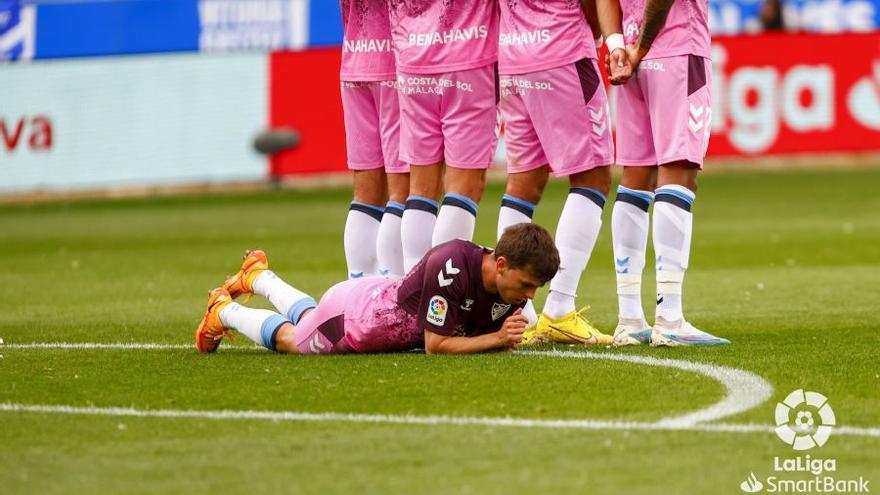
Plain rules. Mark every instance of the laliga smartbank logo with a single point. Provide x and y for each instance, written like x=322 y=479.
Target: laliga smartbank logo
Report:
x=796 y=420
x=804 y=420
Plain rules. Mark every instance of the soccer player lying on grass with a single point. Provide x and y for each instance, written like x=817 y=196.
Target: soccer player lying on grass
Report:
x=460 y=298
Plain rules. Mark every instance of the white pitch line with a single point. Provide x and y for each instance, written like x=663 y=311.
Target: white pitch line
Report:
x=116 y=346
x=744 y=390
x=575 y=424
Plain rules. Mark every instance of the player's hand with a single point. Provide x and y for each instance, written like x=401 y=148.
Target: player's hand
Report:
x=635 y=56
x=511 y=331
x=618 y=66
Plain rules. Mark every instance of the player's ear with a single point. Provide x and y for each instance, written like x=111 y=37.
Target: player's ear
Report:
x=501 y=264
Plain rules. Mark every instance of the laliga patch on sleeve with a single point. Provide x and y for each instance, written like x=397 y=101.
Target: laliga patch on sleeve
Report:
x=437 y=309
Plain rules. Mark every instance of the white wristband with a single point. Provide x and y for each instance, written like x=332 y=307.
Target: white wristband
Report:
x=614 y=41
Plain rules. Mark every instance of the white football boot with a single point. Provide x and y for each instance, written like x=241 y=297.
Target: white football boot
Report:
x=681 y=333
x=632 y=331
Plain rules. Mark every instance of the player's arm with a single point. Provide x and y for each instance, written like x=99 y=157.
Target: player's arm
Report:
x=656 y=12
x=608 y=18
x=505 y=338
x=589 y=9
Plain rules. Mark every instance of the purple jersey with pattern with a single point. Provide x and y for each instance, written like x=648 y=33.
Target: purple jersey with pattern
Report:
x=542 y=34
x=444 y=292
x=436 y=36
x=367 y=53
x=686 y=31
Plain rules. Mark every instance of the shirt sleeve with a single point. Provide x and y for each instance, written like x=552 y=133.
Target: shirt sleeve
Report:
x=443 y=287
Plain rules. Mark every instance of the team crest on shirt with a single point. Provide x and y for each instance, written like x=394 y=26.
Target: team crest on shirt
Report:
x=437 y=309
x=499 y=310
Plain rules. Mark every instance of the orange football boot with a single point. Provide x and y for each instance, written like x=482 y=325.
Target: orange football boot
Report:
x=211 y=330
x=242 y=283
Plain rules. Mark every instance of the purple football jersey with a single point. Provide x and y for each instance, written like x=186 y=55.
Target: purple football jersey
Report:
x=445 y=293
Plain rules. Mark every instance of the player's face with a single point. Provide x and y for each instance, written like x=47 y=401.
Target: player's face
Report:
x=515 y=286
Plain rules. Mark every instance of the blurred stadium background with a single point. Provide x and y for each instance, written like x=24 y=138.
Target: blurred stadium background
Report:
x=140 y=95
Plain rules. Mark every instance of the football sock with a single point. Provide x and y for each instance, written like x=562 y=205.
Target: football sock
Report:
x=359 y=239
x=629 y=234
x=416 y=229
x=287 y=300
x=576 y=235
x=673 y=223
x=259 y=325
x=389 y=250
x=514 y=211
x=456 y=220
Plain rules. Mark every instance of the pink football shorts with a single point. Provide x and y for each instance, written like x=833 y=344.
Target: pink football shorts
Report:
x=451 y=117
x=664 y=113
x=559 y=117
x=372 y=126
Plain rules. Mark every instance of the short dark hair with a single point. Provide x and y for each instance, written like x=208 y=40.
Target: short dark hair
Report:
x=530 y=247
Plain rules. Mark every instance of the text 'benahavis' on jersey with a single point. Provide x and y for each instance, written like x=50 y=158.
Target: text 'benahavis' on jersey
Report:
x=446 y=295
x=542 y=34
x=436 y=36
x=367 y=53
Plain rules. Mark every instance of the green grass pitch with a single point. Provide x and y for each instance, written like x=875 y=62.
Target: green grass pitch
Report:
x=784 y=264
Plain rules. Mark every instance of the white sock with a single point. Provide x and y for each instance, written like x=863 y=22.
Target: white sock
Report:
x=673 y=223
x=456 y=220
x=629 y=234
x=258 y=325
x=416 y=229
x=361 y=230
x=576 y=236
x=389 y=249
x=286 y=299
x=514 y=211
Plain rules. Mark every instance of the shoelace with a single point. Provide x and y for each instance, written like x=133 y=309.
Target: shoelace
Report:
x=581 y=314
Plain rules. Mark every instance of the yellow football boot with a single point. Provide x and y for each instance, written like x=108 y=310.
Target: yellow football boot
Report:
x=573 y=328
x=211 y=330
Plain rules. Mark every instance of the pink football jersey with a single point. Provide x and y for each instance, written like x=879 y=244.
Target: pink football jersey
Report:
x=434 y=36
x=367 y=53
x=686 y=31
x=542 y=34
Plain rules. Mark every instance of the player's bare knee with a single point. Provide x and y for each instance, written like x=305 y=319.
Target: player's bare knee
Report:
x=468 y=182
x=598 y=178
x=370 y=186
x=285 y=339
x=682 y=173
x=527 y=186
x=639 y=178
x=426 y=180
x=398 y=187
